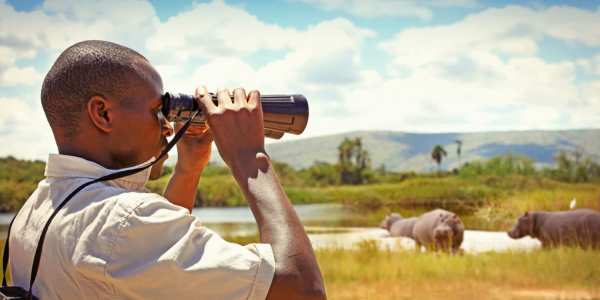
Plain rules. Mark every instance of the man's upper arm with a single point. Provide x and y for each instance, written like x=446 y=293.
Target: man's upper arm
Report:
x=161 y=251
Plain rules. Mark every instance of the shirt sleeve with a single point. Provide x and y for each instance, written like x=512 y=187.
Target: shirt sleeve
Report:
x=163 y=252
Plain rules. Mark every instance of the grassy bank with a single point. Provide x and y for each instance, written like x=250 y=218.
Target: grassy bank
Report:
x=373 y=274
x=484 y=202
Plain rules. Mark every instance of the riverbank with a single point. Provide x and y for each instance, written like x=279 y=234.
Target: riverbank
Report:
x=483 y=202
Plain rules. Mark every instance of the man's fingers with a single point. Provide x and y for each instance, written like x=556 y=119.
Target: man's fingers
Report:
x=205 y=100
x=224 y=98
x=254 y=99
x=239 y=97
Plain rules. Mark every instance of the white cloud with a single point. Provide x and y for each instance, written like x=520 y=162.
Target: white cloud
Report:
x=323 y=57
x=387 y=8
x=596 y=65
x=19 y=76
x=512 y=31
x=484 y=72
x=59 y=24
x=217 y=30
x=24 y=130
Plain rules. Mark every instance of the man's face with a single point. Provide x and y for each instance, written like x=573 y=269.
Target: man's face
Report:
x=140 y=130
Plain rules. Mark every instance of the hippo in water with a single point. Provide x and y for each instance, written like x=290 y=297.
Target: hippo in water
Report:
x=439 y=230
x=580 y=227
x=398 y=226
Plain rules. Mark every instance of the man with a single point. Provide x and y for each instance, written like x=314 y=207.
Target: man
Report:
x=113 y=241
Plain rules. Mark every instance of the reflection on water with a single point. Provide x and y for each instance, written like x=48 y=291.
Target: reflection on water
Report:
x=232 y=221
x=306 y=212
x=235 y=221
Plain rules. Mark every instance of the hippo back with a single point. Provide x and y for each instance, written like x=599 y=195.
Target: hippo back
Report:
x=403 y=227
x=579 y=227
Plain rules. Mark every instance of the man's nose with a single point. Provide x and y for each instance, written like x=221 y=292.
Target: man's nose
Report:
x=167 y=128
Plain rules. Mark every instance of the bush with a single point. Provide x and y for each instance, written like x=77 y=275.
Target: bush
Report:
x=499 y=166
x=18 y=179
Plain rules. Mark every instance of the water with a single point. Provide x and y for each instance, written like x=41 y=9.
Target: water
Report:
x=322 y=224
x=474 y=241
x=233 y=221
x=306 y=212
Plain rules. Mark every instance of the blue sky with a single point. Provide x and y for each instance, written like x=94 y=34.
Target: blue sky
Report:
x=418 y=66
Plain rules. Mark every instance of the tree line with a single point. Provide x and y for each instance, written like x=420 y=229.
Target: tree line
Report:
x=18 y=178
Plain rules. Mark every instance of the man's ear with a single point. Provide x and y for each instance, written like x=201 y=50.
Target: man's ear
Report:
x=100 y=112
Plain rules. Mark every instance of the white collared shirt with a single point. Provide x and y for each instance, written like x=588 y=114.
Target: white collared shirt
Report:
x=113 y=241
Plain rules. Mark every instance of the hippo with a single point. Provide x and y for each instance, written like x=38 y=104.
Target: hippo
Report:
x=579 y=228
x=439 y=230
x=398 y=226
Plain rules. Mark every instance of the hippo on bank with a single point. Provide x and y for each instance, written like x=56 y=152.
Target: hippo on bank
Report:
x=439 y=230
x=580 y=227
x=398 y=226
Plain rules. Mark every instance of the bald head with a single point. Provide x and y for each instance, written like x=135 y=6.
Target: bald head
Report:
x=84 y=70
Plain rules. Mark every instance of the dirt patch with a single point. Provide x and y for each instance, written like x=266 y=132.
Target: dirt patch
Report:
x=451 y=290
x=556 y=294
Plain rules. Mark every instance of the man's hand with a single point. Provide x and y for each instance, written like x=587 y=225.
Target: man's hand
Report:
x=237 y=126
x=193 y=149
x=193 y=154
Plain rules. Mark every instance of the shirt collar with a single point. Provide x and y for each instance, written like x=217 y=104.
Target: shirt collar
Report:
x=67 y=166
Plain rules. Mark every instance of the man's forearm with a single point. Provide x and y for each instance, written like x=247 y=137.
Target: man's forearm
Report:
x=278 y=222
x=181 y=189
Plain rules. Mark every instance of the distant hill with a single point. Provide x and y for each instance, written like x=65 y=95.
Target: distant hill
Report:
x=401 y=151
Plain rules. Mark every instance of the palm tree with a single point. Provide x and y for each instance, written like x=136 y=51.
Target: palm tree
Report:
x=437 y=154
x=353 y=161
x=458 y=150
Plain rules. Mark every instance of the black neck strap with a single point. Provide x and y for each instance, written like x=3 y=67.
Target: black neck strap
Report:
x=38 y=250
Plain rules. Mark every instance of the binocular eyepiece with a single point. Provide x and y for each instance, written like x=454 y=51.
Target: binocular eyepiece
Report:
x=281 y=113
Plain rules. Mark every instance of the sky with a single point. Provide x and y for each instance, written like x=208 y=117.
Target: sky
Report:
x=413 y=66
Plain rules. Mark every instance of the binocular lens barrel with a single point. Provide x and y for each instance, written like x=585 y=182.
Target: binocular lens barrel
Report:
x=281 y=113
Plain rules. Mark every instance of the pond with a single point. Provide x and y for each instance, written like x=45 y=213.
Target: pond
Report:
x=333 y=225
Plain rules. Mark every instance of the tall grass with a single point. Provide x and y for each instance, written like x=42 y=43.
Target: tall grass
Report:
x=371 y=273
x=424 y=275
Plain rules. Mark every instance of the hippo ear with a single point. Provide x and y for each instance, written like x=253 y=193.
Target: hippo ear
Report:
x=526 y=214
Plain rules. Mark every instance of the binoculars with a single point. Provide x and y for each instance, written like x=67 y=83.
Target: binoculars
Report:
x=281 y=113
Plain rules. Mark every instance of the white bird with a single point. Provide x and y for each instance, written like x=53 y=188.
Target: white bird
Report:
x=573 y=203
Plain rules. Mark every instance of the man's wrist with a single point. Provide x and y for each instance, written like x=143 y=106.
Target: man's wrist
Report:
x=187 y=170
x=249 y=164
